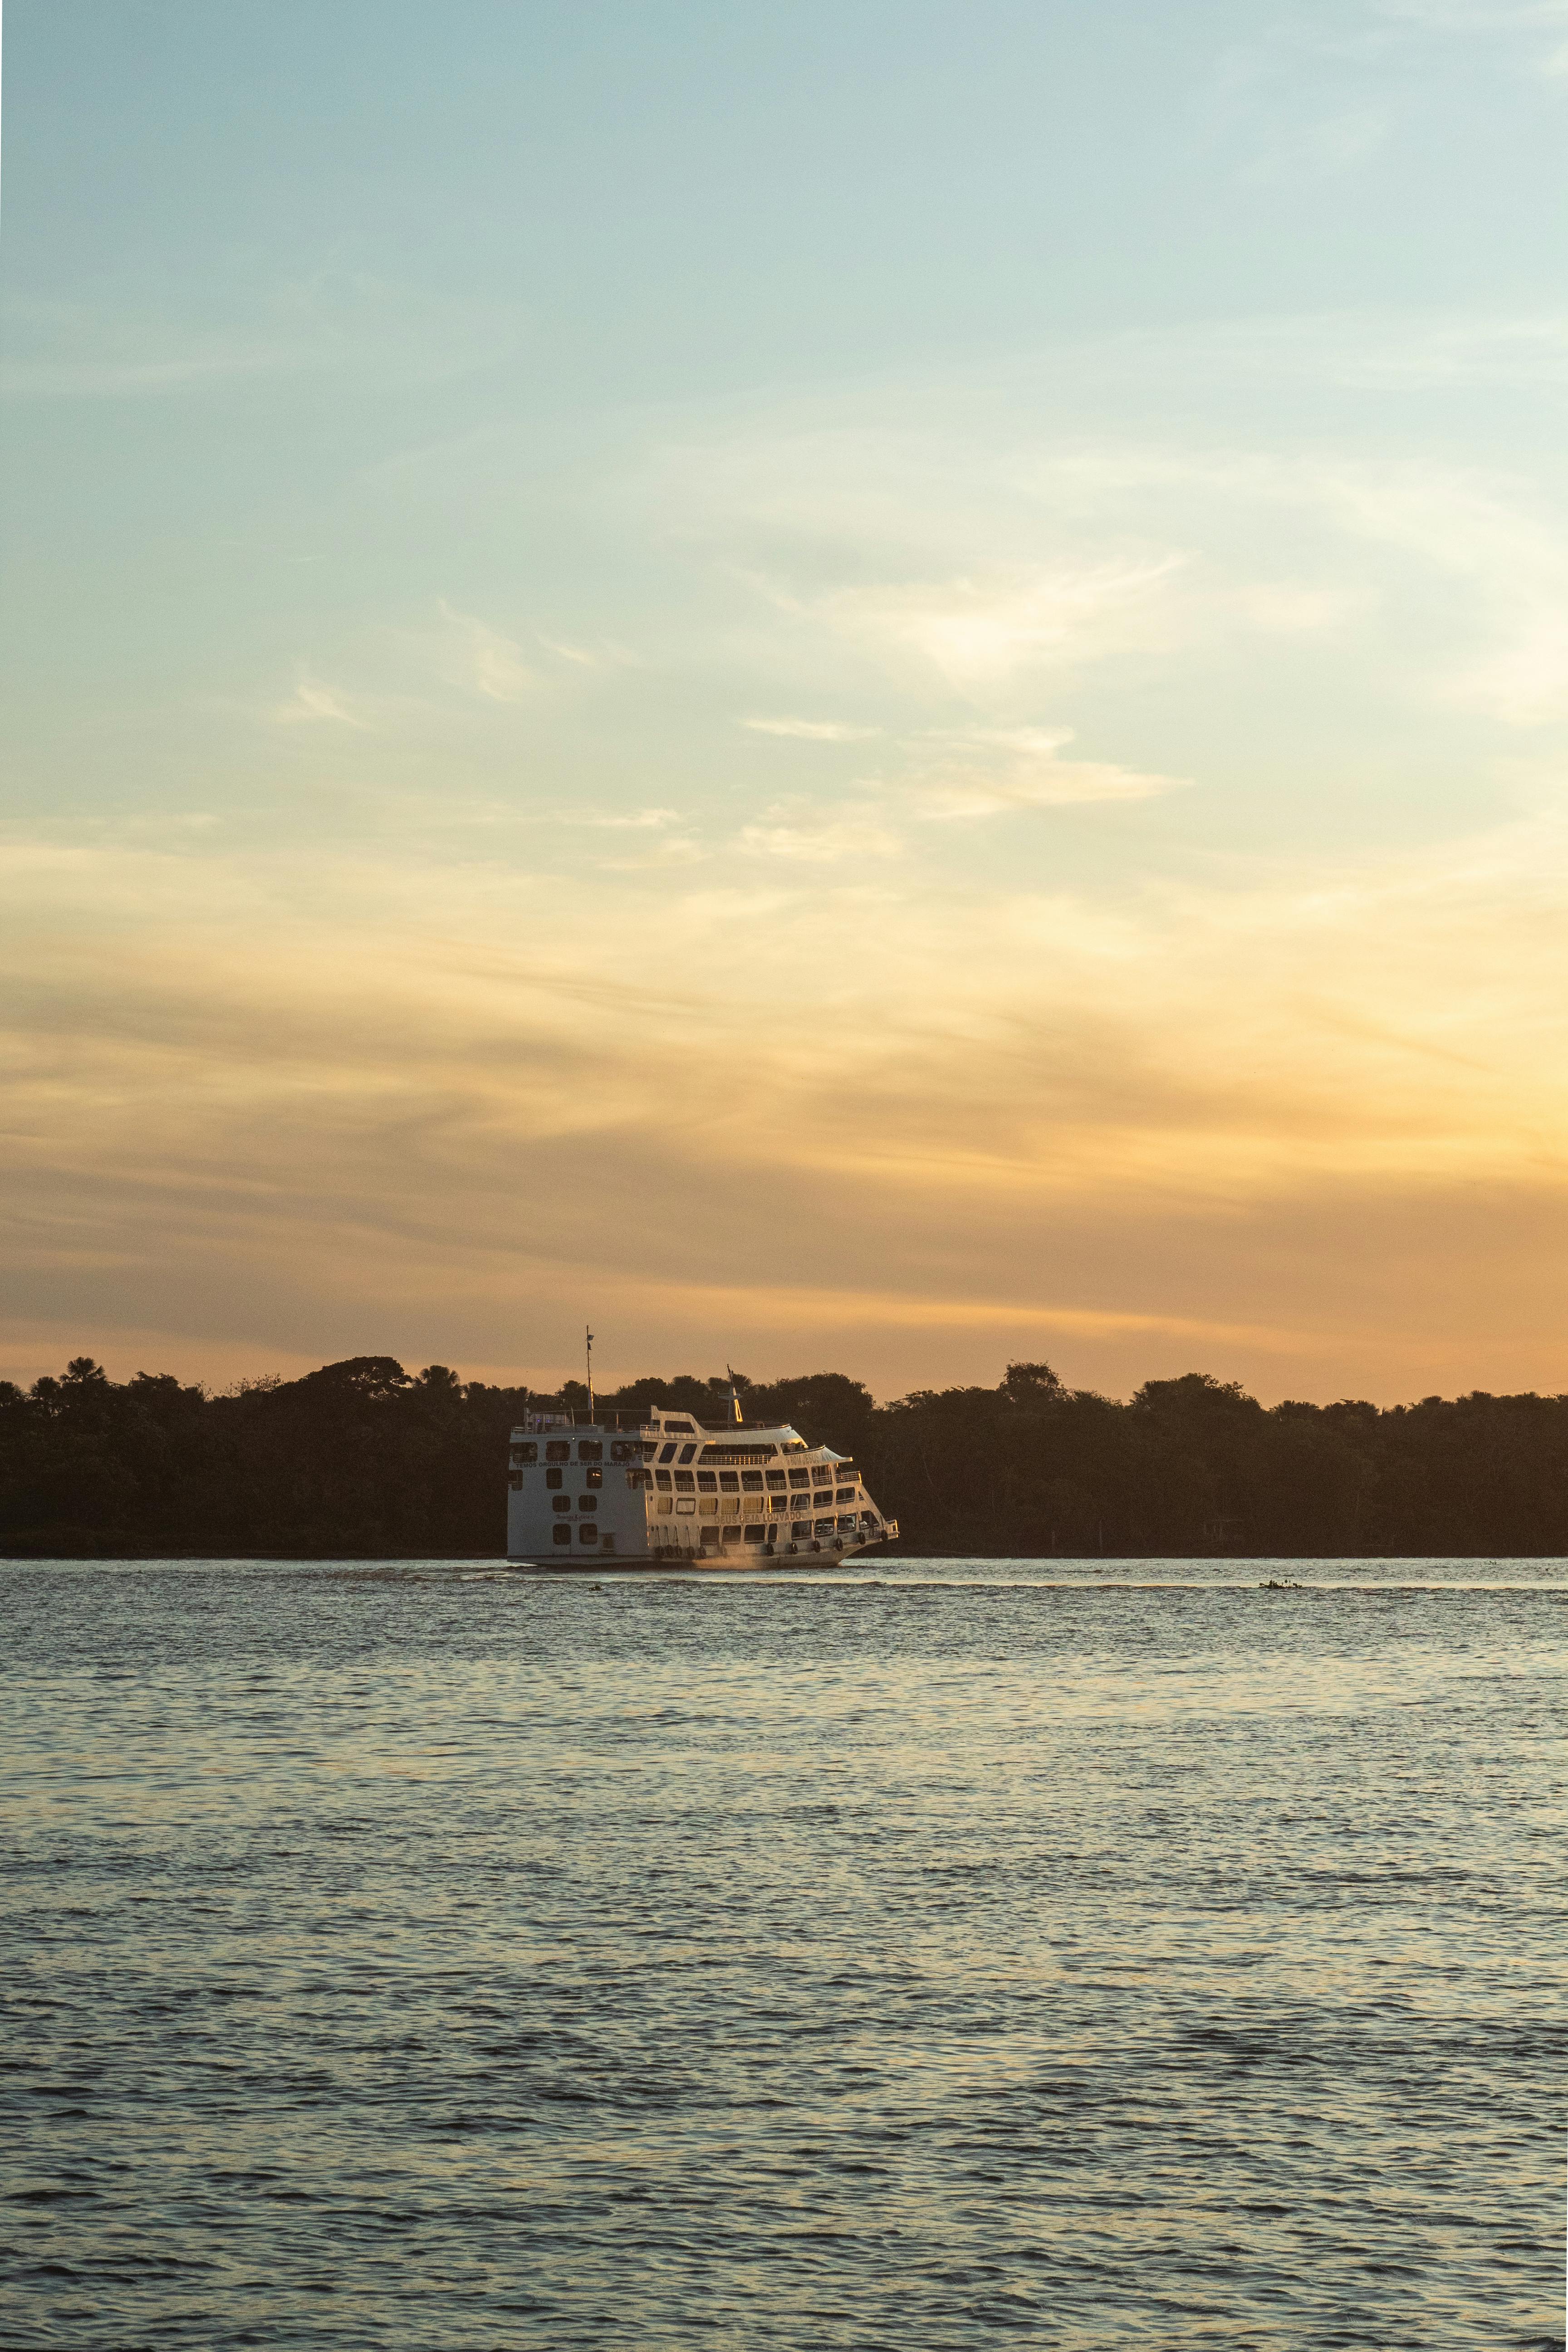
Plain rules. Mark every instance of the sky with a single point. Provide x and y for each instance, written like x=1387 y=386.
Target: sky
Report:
x=863 y=687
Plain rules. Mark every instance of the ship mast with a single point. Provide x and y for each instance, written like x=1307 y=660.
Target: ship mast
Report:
x=588 y=1352
x=735 y=1413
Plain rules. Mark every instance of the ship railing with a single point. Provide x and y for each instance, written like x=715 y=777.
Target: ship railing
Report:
x=533 y=1423
x=579 y=1417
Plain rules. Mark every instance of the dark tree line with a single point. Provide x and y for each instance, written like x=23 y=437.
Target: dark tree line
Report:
x=364 y=1460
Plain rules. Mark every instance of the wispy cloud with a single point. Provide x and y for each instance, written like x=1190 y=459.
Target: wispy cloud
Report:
x=321 y=322
x=1476 y=16
x=820 y=836
x=1522 y=23
x=978 y=630
x=648 y=820
x=313 y=703
x=987 y=771
x=605 y=655
x=491 y=663
x=812 y=730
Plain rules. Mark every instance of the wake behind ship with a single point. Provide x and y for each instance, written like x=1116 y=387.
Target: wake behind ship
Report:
x=657 y=1489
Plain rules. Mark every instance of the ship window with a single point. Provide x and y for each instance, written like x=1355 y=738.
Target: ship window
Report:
x=590 y=1449
x=756 y=1535
x=775 y=1477
x=606 y=1540
x=587 y=1501
x=588 y=1533
x=666 y=1454
x=731 y=1535
x=707 y=1506
x=639 y=1477
x=596 y=1478
x=666 y=1506
x=560 y=1502
x=558 y=1449
x=686 y=1503
x=844 y=1470
x=706 y=1482
x=681 y=1428
x=800 y=1477
x=685 y=1481
x=525 y=1452
x=801 y=1529
x=661 y=1478
x=687 y=1453
x=825 y=1526
x=847 y=1524
x=751 y=1480
x=710 y=1535
x=822 y=1477
x=731 y=1481
x=844 y=1494
x=553 y=1477
x=562 y=1535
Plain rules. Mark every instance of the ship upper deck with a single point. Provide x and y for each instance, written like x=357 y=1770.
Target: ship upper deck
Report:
x=670 y=1436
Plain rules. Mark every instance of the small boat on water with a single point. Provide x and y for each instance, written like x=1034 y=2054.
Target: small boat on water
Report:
x=661 y=1489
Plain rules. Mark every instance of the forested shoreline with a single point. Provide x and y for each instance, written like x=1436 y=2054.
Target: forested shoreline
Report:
x=364 y=1460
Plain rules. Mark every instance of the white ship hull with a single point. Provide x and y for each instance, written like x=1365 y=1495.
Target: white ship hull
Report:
x=590 y=1495
x=703 y=1563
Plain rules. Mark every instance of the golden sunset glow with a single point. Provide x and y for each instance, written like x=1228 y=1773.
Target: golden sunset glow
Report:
x=896 y=851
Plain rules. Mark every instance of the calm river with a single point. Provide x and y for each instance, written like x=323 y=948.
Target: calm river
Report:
x=938 y=1955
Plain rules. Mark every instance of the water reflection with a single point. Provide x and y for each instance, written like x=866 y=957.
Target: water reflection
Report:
x=411 y=1953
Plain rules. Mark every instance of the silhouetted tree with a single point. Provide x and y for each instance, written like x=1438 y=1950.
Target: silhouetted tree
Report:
x=362 y=1459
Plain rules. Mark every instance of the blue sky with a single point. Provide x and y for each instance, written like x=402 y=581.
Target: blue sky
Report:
x=875 y=685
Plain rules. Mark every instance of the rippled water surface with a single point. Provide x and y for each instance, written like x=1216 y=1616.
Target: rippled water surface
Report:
x=929 y=1957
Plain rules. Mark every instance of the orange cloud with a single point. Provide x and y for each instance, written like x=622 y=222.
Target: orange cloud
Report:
x=1298 y=1131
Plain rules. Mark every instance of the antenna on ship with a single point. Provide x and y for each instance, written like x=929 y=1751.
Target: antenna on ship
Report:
x=588 y=1352
x=735 y=1414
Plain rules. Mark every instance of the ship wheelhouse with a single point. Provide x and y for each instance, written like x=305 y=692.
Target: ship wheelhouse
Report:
x=660 y=1489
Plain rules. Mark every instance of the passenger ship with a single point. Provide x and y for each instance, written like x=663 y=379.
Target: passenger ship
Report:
x=660 y=1489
